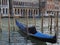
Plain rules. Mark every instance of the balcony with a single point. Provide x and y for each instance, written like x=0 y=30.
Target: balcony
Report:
x=25 y=6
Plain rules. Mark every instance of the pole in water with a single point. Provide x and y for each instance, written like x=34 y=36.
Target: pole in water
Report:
x=51 y=25
x=34 y=20
x=42 y=21
x=0 y=23
x=14 y=21
x=9 y=27
x=56 y=23
x=10 y=13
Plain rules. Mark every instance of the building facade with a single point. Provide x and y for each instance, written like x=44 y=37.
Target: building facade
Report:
x=51 y=6
x=4 y=7
x=19 y=8
x=23 y=8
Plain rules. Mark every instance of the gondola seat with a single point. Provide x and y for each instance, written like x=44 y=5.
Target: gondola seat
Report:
x=32 y=30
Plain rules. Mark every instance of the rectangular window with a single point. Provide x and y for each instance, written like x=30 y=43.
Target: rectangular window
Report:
x=4 y=2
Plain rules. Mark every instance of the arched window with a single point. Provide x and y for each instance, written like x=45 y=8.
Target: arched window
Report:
x=3 y=11
x=6 y=11
x=26 y=11
x=15 y=11
x=18 y=11
x=36 y=11
x=21 y=11
x=29 y=11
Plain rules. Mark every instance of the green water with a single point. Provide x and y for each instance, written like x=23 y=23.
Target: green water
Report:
x=4 y=35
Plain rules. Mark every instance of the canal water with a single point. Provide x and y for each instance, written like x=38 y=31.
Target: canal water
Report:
x=18 y=38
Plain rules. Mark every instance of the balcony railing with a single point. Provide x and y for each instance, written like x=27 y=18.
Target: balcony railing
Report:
x=26 y=6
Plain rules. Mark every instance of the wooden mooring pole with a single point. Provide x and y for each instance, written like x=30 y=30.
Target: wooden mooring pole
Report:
x=34 y=20
x=9 y=26
x=42 y=17
x=9 y=15
x=56 y=22
x=14 y=20
x=0 y=23
x=27 y=21
x=0 y=18
x=51 y=24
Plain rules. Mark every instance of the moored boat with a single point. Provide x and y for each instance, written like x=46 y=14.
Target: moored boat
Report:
x=34 y=33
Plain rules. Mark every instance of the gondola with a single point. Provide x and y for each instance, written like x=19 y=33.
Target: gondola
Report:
x=34 y=33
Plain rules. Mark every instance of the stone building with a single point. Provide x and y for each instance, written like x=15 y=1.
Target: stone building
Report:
x=4 y=7
x=21 y=7
x=51 y=6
